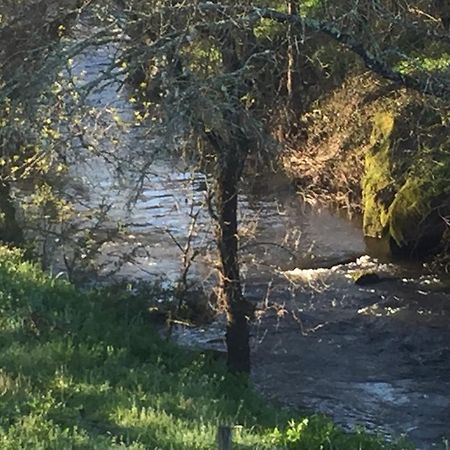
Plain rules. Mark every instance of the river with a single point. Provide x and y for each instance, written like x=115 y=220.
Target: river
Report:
x=374 y=356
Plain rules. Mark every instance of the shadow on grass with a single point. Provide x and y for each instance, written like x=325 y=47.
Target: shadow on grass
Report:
x=87 y=370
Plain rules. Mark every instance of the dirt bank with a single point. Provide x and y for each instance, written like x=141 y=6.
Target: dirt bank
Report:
x=372 y=148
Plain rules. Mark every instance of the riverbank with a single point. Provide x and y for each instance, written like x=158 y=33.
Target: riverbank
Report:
x=369 y=147
x=88 y=371
x=326 y=161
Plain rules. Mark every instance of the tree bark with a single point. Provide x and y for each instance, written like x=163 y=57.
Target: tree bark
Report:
x=292 y=76
x=231 y=149
x=237 y=333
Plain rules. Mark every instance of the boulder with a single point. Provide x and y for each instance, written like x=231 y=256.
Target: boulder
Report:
x=406 y=193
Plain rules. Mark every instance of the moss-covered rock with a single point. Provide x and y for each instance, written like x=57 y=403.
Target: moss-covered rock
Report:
x=378 y=181
x=406 y=193
x=371 y=147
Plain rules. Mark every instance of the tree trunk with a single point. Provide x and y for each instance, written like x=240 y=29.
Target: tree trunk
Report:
x=232 y=153
x=292 y=76
x=10 y=231
x=237 y=334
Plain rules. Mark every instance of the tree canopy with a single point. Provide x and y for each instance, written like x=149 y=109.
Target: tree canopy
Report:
x=229 y=81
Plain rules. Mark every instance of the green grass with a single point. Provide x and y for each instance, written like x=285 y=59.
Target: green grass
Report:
x=87 y=371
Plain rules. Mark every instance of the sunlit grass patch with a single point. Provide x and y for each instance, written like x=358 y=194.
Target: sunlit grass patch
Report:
x=88 y=371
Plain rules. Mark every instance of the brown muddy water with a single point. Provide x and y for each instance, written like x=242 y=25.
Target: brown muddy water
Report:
x=376 y=356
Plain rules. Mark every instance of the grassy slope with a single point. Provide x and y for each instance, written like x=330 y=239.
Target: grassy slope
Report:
x=86 y=371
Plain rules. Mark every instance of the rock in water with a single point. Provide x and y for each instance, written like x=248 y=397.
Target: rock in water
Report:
x=368 y=278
